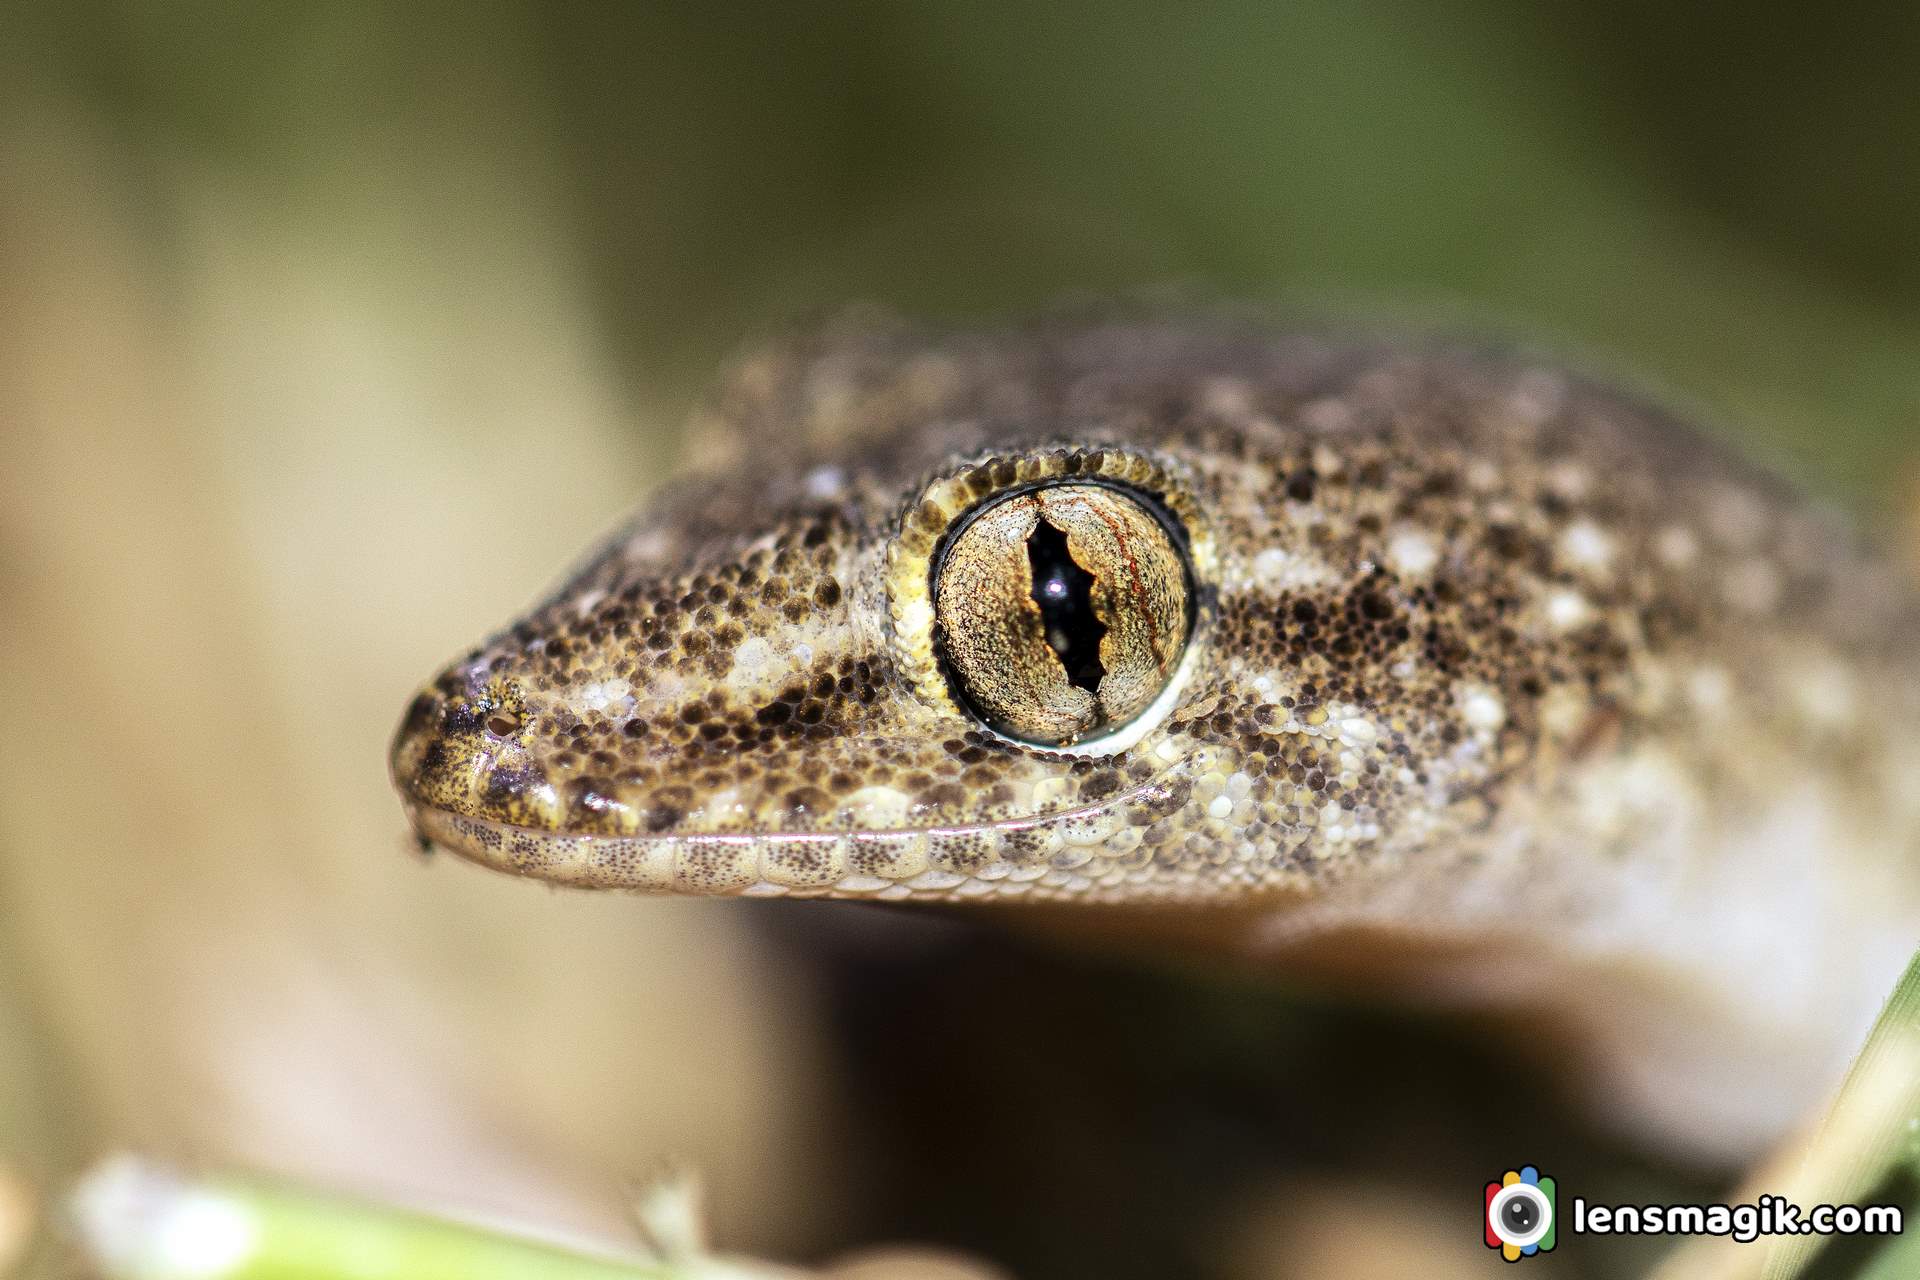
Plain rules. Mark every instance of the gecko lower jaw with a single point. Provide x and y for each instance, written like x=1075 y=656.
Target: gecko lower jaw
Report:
x=1072 y=854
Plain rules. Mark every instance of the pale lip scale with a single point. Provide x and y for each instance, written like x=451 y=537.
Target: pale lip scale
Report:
x=1051 y=853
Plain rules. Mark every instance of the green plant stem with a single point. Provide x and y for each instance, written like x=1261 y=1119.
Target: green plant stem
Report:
x=139 y=1221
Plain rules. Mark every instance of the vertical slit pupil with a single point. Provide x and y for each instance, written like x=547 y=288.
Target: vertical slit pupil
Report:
x=1064 y=592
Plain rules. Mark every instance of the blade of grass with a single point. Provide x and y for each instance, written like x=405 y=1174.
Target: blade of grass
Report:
x=1865 y=1151
x=140 y=1221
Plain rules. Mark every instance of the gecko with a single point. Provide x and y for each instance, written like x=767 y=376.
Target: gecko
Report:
x=1424 y=668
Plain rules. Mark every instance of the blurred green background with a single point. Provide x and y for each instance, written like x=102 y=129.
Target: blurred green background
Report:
x=328 y=332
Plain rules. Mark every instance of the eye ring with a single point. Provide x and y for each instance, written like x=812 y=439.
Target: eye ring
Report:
x=1099 y=664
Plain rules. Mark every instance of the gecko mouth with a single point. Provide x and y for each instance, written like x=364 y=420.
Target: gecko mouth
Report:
x=1069 y=852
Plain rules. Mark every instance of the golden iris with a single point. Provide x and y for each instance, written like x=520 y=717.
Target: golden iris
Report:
x=1061 y=611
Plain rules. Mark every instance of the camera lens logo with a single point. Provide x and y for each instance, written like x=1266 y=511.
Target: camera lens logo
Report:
x=1520 y=1214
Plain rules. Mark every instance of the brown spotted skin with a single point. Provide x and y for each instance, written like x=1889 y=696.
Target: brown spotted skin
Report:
x=1489 y=662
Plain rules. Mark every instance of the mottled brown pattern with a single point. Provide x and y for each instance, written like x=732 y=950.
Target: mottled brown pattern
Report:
x=1439 y=577
x=1481 y=651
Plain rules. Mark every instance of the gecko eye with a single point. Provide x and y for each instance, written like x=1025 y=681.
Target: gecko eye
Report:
x=1061 y=611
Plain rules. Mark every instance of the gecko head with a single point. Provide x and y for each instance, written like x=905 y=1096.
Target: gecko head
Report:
x=806 y=686
x=945 y=631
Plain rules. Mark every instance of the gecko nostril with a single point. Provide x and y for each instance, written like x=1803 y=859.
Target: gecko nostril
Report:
x=502 y=723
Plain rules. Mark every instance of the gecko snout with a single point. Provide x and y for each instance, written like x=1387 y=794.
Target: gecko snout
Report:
x=417 y=738
x=464 y=746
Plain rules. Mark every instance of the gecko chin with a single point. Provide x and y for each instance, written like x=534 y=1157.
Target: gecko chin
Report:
x=510 y=775
x=1079 y=855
